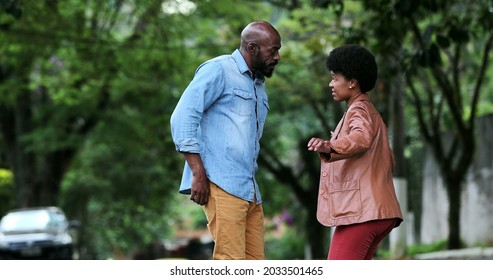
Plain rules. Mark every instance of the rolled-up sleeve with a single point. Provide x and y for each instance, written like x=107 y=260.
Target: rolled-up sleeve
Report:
x=202 y=91
x=357 y=139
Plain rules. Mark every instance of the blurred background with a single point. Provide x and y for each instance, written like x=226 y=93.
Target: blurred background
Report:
x=87 y=88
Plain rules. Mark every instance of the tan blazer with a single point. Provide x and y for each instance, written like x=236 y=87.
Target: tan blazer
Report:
x=356 y=178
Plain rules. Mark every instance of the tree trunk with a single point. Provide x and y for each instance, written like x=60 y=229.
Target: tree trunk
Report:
x=37 y=178
x=454 y=196
x=306 y=193
x=23 y=159
x=318 y=236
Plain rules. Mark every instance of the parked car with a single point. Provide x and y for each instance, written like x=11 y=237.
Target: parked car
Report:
x=36 y=233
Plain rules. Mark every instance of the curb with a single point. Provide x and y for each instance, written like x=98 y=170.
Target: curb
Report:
x=462 y=254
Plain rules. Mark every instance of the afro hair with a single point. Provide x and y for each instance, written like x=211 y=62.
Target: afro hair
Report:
x=354 y=62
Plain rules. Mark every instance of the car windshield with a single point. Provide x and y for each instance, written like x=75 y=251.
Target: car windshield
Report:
x=25 y=221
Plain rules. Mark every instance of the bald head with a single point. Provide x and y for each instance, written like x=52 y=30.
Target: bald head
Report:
x=260 y=44
x=257 y=32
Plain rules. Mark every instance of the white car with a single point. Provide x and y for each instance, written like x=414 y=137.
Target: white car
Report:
x=36 y=233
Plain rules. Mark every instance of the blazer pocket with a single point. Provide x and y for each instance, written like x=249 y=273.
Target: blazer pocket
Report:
x=345 y=199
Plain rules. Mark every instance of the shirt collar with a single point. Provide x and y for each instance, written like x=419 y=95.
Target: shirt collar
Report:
x=243 y=67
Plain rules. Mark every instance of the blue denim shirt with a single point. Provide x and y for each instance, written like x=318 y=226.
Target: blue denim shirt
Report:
x=221 y=116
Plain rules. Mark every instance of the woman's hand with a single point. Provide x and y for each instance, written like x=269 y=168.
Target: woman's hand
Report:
x=319 y=145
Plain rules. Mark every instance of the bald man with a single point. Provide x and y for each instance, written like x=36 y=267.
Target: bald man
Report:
x=217 y=125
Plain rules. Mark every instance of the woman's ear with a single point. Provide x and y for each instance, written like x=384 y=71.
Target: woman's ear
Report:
x=353 y=83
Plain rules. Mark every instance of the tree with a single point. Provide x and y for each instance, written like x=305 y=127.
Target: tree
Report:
x=65 y=75
x=68 y=66
x=445 y=47
x=86 y=91
x=433 y=46
x=45 y=112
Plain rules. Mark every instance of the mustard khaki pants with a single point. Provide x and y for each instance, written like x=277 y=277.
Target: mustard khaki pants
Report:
x=236 y=225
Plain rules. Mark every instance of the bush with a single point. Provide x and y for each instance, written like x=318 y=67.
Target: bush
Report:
x=427 y=248
x=6 y=191
x=288 y=246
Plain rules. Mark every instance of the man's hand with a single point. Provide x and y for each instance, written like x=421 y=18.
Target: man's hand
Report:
x=200 y=190
x=200 y=184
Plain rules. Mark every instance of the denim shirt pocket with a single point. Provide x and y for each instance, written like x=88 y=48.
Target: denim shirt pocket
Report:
x=345 y=199
x=243 y=102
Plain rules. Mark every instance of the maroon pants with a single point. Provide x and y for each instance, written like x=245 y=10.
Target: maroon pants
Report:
x=359 y=241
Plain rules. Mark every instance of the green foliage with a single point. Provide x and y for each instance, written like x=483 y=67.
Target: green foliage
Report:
x=426 y=248
x=288 y=246
x=11 y=7
x=185 y=215
x=6 y=191
x=5 y=178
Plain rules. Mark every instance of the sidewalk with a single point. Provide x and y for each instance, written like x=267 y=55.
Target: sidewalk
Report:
x=462 y=254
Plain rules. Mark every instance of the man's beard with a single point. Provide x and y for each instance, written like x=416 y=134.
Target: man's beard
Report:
x=268 y=70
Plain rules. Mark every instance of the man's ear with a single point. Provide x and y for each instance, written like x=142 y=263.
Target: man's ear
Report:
x=251 y=47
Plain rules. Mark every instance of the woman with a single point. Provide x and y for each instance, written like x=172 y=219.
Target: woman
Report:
x=356 y=193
